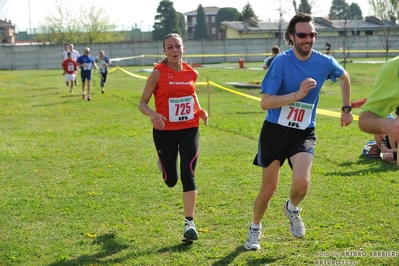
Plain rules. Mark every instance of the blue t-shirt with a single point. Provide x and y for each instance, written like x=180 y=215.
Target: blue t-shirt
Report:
x=88 y=60
x=286 y=73
x=100 y=62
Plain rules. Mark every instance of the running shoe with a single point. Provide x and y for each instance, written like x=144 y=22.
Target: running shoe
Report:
x=297 y=228
x=253 y=239
x=190 y=233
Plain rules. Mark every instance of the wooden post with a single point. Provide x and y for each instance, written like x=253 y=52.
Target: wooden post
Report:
x=209 y=96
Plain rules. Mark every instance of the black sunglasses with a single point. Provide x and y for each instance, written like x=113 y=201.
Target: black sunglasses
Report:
x=303 y=35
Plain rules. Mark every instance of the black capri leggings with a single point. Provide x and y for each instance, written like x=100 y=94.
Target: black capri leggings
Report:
x=170 y=143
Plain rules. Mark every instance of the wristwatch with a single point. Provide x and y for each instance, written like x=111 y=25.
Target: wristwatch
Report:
x=346 y=109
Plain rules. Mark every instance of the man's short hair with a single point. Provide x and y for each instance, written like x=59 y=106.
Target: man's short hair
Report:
x=300 y=17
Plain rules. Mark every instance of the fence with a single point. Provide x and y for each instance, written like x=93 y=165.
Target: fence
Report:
x=197 y=51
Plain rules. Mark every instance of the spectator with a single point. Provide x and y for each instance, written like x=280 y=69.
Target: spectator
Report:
x=383 y=100
x=328 y=47
x=268 y=61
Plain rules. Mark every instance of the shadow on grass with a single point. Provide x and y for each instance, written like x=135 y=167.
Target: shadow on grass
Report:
x=229 y=258
x=376 y=166
x=71 y=98
x=110 y=247
x=43 y=95
x=42 y=89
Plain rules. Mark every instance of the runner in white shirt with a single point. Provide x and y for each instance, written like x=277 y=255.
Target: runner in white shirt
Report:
x=75 y=55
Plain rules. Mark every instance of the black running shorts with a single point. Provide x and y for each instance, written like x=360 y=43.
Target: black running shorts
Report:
x=278 y=142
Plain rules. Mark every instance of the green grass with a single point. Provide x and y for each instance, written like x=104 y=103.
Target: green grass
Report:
x=72 y=169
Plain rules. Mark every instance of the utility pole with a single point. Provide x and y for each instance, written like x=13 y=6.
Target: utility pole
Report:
x=280 y=35
x=30 y=25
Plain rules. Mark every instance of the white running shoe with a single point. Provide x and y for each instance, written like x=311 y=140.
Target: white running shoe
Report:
x=297 y=228
x=190 y=233
x=253 y=239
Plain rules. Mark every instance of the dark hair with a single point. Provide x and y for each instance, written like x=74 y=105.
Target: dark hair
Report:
x=69 y=53
x=300 y=17
x=276 y=49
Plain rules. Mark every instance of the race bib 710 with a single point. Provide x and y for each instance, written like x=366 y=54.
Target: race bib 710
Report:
x=296 y=115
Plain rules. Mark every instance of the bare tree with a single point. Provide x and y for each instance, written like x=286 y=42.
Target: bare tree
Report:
x=387 y=11
x=90 y=24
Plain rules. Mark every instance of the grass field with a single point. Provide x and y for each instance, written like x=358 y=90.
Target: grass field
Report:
x=80 y=185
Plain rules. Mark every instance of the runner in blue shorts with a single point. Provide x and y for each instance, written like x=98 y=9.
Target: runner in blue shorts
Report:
x=86 y=63
x=291 y=91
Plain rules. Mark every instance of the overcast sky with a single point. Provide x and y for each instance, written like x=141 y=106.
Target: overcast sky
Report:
x=27 y=14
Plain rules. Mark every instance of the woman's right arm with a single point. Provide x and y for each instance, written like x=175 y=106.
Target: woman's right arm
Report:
x=151 y=84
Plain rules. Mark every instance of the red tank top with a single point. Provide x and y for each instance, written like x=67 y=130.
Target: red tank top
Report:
x=175 y=97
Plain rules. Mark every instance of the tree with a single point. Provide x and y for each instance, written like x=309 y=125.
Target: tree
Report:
x=247 y=13
x=339 y=10
x=201 y=28
x=305 y=7
x=295 y=7
x=355 y=12
x=96 y=26
x=166 y=21
x=90 y=25
x=387 y=11
x=226 y=14
x=182 y=25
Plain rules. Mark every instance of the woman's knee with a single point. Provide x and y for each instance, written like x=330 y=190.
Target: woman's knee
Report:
x=171 y=183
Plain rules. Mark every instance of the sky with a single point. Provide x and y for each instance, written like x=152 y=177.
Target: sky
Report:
x=26 y=14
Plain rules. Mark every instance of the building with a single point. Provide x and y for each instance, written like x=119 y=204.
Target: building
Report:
x=210 y=13
x=324 y=27
x=7 y=32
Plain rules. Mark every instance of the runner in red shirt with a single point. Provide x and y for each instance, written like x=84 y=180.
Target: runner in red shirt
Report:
x=175 y=123
x=69 y=65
